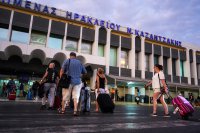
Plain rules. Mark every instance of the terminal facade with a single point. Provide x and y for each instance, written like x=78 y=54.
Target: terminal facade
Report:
x=33 y=35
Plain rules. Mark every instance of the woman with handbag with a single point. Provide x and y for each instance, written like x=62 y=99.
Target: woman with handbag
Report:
x=159 y=87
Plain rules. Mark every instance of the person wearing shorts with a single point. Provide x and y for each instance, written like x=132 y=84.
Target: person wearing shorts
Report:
x=75 y=70
x=101 y=83
x=158 y=81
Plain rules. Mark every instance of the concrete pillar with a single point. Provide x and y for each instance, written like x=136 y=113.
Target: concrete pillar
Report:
x=80 y=40
x=178 y=64
x=10 y=26
x=132 y=56
x=107 y=51
x=30 y=29
x=119 y=56
x=187 y=68
x=151 y=60
x=194 y=68
x=96 y=41
x=48 y=33
x=65 y=37
x=93 y=79
x=142 y=58
x=160 y=60
x=169 y=65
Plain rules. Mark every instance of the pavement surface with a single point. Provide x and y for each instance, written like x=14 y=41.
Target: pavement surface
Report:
x=26 y=117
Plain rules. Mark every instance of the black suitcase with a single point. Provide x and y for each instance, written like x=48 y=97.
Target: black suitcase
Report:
x=106 y=104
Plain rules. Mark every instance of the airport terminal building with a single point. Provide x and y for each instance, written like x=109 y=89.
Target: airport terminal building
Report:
x=33 y=35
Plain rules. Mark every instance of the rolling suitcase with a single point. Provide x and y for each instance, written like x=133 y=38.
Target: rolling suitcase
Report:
x=12 y=95
x=105 y=102
x=182 y=106
x=85 y=100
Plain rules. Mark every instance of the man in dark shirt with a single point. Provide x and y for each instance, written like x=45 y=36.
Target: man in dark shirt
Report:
x=51 y=76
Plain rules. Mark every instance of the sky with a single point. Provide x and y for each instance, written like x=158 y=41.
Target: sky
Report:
x=175 y=19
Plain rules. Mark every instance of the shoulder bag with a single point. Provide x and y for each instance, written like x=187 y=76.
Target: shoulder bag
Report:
x=65 y=79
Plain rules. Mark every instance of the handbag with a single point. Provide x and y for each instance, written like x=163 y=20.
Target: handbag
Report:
x=65 y=79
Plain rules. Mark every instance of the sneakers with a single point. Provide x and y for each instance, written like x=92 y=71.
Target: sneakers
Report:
x=43 y=107
x=154 y=114
x=167 y=115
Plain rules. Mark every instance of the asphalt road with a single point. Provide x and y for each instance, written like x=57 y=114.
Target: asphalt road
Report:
x=26 y=117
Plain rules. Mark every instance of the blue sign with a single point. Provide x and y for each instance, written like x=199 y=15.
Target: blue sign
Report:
x=89 y=20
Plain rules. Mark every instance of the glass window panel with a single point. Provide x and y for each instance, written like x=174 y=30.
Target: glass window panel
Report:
x=38 y=38
x=71 y=45
x=3 y=33
x=136 y=61
x=174 y=67
x=182 y=68
x=124 y=59
x=86 y=48
x=165 y=68
x=113 y=56
x=19 y=36
x=55 y=43
x=146 y=62
x=156 y=59
x=101 y=50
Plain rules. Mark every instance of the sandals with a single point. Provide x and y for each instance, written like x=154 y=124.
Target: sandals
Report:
x=61 y=111
x=75 y=113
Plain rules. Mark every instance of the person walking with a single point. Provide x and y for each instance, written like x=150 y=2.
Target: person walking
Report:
x=74 y=69
x=101 y=83
x=51 y=76
x=158 y=81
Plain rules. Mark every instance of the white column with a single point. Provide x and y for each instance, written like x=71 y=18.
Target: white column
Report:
x=10 y=26
x=96 y=41
x=48 y=33
x=178 y=64
x=194 y=68
x=151 y=60
x=80 y=40
x=142 y=58
x=187 y=66
x=30 y=29
x=160 y=59
x=93 y=79
x=169 y=65
x=65 y=37
x=107 y=50
x=132 y=56
x=119 y=56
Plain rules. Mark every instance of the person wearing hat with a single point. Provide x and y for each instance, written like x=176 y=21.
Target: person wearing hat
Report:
x=74 y=69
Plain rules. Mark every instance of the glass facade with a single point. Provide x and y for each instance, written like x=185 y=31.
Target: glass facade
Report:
x=20 y=36
x=165 y=64
x=38 y=38
x=71 y=45
x=101 y=50
x=136 y=61
x=174 y=67
x=113 y=56
x=86 y=48
x=147 y=62
x=124 y=59
x=182 y=68
x=55 y=43
x=3 y=33
x=156 y=59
